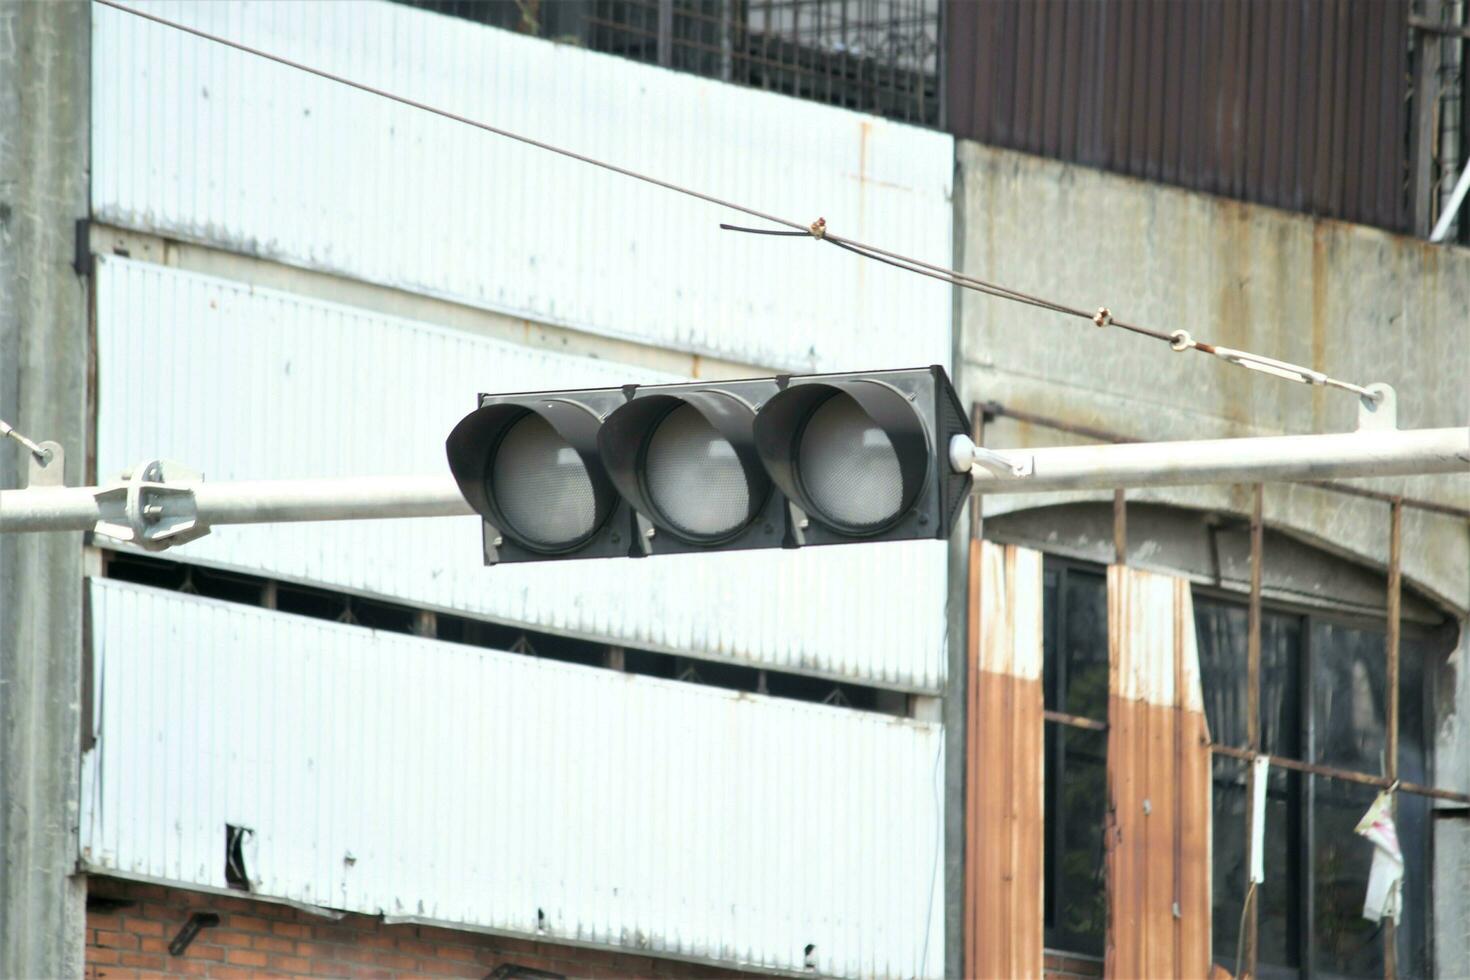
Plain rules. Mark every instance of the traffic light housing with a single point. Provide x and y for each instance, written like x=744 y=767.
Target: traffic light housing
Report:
x=788 y=461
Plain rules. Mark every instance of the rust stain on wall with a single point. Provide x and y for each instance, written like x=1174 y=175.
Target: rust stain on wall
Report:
x=1158 y=834
x=1004 y=787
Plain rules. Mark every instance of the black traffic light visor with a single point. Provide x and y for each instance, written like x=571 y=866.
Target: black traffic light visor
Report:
x=541 y=483
x=868 y=462
x=687 y=462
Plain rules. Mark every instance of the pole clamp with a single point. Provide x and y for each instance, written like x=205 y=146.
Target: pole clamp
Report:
x=148 y=509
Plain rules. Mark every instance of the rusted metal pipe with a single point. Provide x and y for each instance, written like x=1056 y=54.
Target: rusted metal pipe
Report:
x=1347 y=775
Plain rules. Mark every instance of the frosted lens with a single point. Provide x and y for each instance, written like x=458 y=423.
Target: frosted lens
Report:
x=694 y=477
x=848 y=466
x=541 y=486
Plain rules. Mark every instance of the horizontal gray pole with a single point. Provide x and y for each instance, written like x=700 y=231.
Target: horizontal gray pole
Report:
x=1266 y=459
x=249 y=502
x=1252 y=460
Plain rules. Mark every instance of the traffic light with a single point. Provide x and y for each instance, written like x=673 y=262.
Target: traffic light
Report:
x=789 y=461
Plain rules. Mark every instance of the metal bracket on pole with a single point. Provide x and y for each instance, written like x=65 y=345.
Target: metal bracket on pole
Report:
x=1379 y=414
x=144 y=510
x=963 y=454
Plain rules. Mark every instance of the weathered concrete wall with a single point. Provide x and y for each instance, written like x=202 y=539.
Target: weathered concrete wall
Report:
x=44 y=75
x=1356 y=303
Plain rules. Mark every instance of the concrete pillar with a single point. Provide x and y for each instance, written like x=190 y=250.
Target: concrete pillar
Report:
x=44 y=117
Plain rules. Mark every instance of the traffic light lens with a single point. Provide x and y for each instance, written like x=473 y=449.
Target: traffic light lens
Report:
x=541 y=486
x=694 y=477
x=848 y=466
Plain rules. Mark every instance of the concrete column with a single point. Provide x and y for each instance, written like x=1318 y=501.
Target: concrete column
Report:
x=44 y=118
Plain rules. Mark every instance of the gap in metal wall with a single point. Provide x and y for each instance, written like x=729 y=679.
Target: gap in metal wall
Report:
x=378 y=614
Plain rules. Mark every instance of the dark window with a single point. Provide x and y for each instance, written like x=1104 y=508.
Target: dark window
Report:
x=1075 y=680
x=1321 y=700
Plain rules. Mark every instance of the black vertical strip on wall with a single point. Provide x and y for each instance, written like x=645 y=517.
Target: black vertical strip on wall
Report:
x=1298 y=104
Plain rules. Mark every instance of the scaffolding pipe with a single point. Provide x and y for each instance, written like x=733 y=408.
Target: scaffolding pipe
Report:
x=1249 y=460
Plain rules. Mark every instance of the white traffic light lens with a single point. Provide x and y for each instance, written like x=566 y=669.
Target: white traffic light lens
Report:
x=848 y=466
x=541 y=486
x=694 y=477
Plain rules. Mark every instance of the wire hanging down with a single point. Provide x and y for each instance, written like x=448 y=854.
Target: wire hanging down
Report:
x=1179 y=340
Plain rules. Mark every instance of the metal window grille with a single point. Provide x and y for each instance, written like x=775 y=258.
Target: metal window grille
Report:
x=878 y=56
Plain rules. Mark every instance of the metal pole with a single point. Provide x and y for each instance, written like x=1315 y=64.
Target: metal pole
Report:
x=1251 y=923
x=1255 y=460
x=1391 y=755
x=247 y=502
x=1274 y=458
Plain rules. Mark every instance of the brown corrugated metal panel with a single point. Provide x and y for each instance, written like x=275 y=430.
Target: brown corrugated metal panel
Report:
x=1158 y=835
x=1298 y=104
x=1004 y=788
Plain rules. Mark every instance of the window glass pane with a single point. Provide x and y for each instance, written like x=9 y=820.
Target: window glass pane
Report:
x=1075 y=672
x=1085 y=685
x=1348 y=671
x=1280 y=896
x=1350 y=666
x=1081 y=907
x=1343 y=942
x=1051 y=675
x=1220 y=633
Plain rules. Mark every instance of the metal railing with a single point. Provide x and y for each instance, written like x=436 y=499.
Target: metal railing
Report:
x=878 y=56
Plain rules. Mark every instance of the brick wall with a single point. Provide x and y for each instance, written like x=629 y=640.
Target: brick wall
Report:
x=130 y=925
x=1062 y=966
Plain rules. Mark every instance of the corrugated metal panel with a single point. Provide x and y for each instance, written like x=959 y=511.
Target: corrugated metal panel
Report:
x=232 y=150
x=387 y=773
x=1158 y=833
x=1004 y=920
x=257 y=384
x=1300 y=104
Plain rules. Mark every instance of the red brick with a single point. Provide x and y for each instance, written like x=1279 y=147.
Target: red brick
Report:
x=192 y=968
x=444 y=968
x=446 y=952
x=96 y=920
x=396 y=961
x=414 y=948
x=291 y=929
x=291 y=964
x=228 y=937
x=116 y=973
x=245 y=957
x=248 y=923
x=205 y=951
x=143 y=927
x=101 y=955
x=152 y=944
x=274 y=944
x=231 y=973
x=149 y=960
x=116 y=940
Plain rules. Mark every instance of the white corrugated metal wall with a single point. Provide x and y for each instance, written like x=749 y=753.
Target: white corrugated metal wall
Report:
x=384 y=773
x=195 y=142
x=268 y=385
